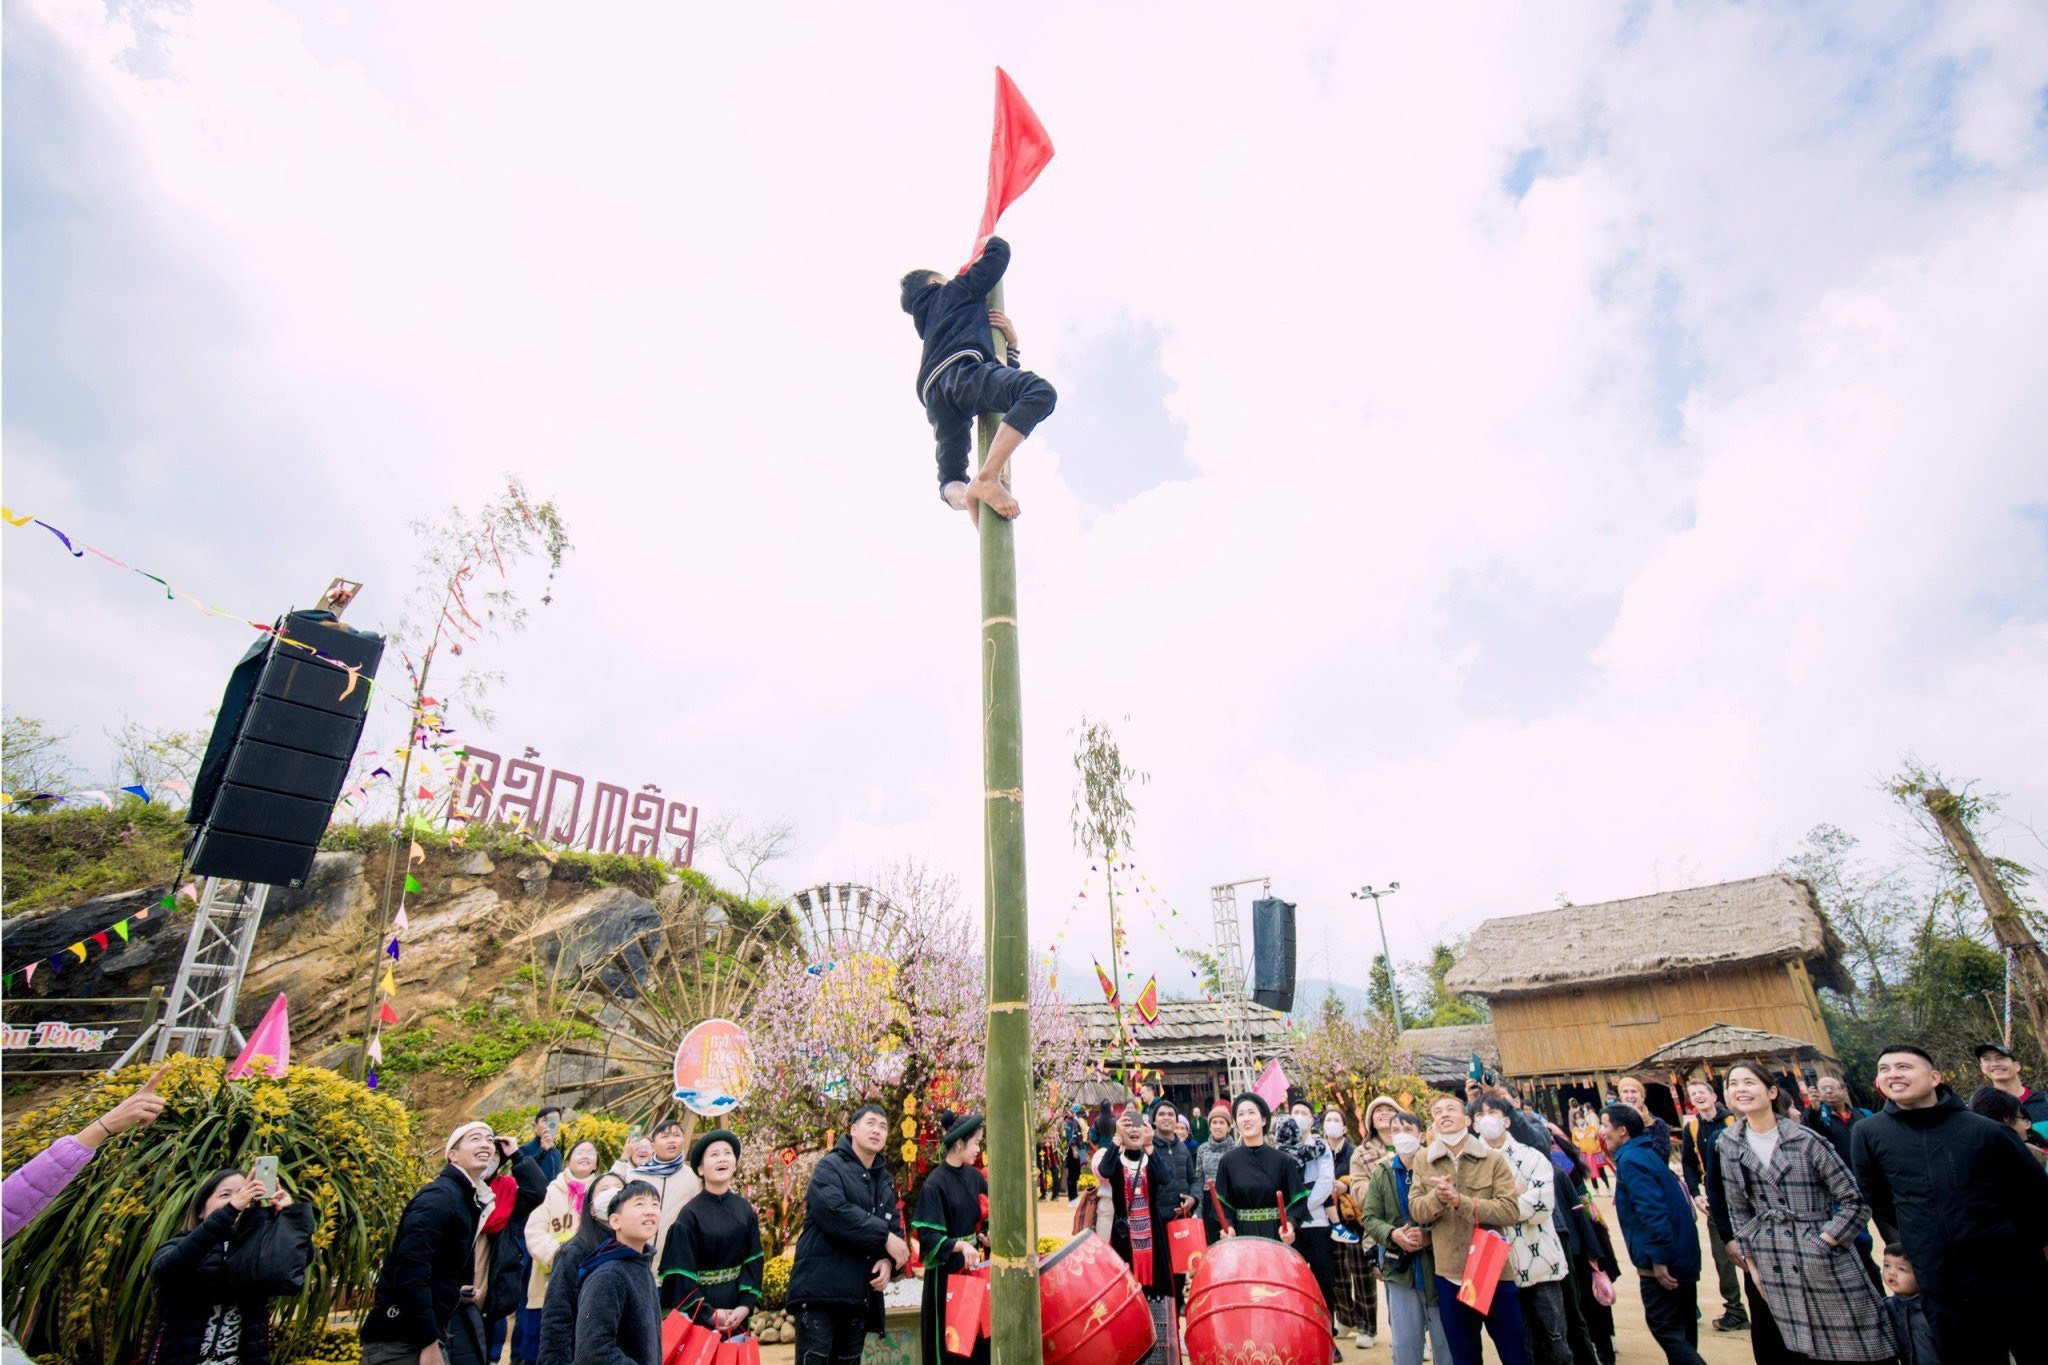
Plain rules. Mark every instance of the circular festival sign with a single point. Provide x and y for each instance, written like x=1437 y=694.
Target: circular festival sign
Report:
x=714 y=1068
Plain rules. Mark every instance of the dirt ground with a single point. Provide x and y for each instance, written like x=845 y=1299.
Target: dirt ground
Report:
x=1632 y=1344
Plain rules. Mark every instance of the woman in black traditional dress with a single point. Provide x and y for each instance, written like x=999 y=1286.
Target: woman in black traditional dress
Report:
x=711 y=1263
x=1255 y=1182
x=951 y=1209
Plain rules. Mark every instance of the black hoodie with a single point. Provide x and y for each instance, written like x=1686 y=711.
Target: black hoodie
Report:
x=1970 y=1203
x=953 y=317
x=849 y=1213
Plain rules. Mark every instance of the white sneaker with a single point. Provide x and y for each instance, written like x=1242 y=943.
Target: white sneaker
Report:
x=1363 y=1340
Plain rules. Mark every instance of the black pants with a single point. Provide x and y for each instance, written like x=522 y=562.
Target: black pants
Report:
x=1994 y=1334
x=1314 y=1246
x=1673 y=1316
x=1073 y=1175
x=830 y=1334
x=968 y=388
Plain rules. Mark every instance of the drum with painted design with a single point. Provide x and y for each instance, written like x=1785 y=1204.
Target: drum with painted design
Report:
x=1091 y=1310
x=1252 y=1301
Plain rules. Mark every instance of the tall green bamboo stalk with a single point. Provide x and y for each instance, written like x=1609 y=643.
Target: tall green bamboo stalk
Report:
x=1012 y=1203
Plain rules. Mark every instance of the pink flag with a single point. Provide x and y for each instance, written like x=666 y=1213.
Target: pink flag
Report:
x=1271 y=1086
x=1017 y=152
x=272 y=1039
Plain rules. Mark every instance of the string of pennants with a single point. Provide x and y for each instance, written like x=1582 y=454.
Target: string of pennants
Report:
x=96 y=797
x=387 y=984
x=172 y=592
x=103 y=940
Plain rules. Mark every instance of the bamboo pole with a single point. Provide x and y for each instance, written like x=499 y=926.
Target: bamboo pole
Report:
x=1013 y=1208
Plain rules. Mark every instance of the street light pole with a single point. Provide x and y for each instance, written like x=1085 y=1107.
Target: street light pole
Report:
x=1386 y=953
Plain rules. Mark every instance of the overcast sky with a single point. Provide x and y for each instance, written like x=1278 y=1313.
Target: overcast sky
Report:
x=1572 y=454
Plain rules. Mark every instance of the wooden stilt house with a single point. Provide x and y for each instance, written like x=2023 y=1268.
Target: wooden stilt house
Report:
x=1581 y=993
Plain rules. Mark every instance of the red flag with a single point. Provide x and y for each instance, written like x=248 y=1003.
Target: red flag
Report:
x=1148 y=1001
x=386 y=1014
x=1017 y=152
x=101 y=939
x=1109 y=991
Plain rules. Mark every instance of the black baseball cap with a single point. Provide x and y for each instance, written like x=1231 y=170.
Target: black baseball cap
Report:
x=2000 y=1048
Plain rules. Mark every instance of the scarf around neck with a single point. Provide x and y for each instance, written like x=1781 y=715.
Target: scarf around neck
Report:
x=660 y=1170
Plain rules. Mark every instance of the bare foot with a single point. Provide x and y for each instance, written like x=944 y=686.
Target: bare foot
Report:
x=980 y=490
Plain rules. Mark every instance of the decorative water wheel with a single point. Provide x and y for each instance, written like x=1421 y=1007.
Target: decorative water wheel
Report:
x=636 y=1000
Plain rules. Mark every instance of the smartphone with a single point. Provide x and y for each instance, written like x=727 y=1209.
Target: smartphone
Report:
x=264 y=1172
x=554 y=1125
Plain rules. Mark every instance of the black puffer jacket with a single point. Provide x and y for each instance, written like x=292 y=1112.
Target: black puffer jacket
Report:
x=849 y=1214
x=202 y=1285
x=432 y=1256
x=1970 y=1203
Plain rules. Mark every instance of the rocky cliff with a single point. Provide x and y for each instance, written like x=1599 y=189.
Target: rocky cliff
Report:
x=491 y=930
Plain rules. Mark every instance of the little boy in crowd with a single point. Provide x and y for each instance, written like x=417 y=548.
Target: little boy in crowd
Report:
x=618 y=1313
x=1910 y=1323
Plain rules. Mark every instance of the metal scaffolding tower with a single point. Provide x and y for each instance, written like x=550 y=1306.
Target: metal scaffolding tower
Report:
x=200 y=1021
x=1237 y=1029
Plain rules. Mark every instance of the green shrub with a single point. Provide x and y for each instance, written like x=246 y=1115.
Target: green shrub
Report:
x=77 y=1277
x=66 y=856
x=607 y=1132
x=775 y=1280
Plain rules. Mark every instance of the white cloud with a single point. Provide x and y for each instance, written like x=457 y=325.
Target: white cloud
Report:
x=647 y=261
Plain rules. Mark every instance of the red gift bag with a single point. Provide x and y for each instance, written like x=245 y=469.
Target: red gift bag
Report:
x=1483 y=1262
x=966 y=1302
x=740 y=1350
x=1186 y=1240
x=988 y=1301
x=684 y=1342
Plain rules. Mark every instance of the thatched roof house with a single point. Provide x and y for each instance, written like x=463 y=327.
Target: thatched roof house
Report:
x=1591 y=989
x=1443 y=1056
x=1187 y=1043
x=1725 y=1044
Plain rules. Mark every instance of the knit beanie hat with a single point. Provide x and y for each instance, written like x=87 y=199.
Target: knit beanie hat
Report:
x=463 y=1130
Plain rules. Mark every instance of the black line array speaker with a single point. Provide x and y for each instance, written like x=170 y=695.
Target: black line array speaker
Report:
x=274 y=767
x=1273 y=953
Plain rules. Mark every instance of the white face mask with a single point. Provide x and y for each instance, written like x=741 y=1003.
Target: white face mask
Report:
x=1333 y=1128
x=601 y=1207
x=1491 y=1126
x=1406 y=1143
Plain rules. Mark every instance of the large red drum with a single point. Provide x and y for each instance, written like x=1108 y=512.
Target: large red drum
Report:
x=1091 y=1310
x=1252 y=1301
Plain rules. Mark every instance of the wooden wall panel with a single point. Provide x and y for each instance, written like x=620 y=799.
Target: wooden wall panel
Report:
x=1604 y=1028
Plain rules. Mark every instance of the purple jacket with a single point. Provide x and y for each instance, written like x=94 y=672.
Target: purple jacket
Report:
x=41 y=1178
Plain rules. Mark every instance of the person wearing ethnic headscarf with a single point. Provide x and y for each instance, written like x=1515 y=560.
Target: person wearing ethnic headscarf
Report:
x=1139 y=1187
x=711 y=1262
x=952 y=1209
x=1297 y=1139
x=1258 y=1187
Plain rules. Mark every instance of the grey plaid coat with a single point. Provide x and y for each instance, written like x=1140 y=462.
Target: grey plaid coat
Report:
x=1822 y=1299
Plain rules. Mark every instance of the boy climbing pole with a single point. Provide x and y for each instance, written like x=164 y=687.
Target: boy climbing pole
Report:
x=959 y=379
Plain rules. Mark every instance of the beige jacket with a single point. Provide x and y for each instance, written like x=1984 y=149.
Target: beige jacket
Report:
x=1486 y=1197
x=547 y=1227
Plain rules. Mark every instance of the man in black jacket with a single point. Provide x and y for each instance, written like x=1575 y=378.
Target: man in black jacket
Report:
x=1177 y=1158
x=851 y=1243
x=434 y=1256
x=958 y=378
x=505 y=1293
x=1701 y=1129
x=1971 y=1207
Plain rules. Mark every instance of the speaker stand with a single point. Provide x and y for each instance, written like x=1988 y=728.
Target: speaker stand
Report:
x=200 y=1019
x=1235 y=1002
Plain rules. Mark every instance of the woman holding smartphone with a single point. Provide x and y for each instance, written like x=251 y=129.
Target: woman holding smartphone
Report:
x=241 y=1245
